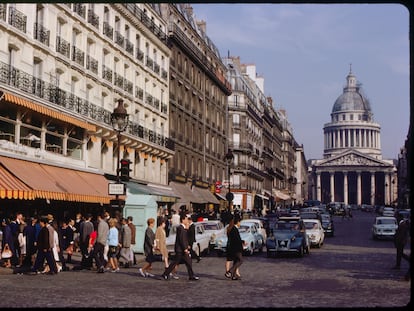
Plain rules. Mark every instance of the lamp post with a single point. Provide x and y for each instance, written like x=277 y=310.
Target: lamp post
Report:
x=229 y=160
x=119 y=121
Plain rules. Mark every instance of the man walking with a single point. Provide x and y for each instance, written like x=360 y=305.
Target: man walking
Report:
x=400 y=239
x=192 y=239
x=101 y=240
x=182 y=252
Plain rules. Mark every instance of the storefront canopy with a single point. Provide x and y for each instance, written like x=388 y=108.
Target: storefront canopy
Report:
x=280 y=195
x=31 y=180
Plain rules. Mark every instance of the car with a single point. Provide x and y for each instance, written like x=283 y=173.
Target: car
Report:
x=327 y=224
x=384 y=227
x=215 y=228
x=253 y=240
x=310 y=215
x=200 y=246
x=388 y=211
x=259 y=224
x=315 y=232
x=288 y=236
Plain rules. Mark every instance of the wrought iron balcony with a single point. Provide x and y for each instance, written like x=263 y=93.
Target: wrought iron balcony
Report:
x=3 y=7
x=139 y=92
x=41 y=34
x=55 y=96
x=119 y=39
x=93 y=19
x=79 y=9
x=139 y=55
x=164 y=74
x=108 y=30
x=92 y=64
x=62 y=46
x=17 y=19
x=118 y=80
x=106 y=73
x=129 y=47
x=78 y=56
x=149 y=62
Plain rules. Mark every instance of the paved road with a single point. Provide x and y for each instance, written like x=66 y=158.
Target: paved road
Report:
x=350 y=270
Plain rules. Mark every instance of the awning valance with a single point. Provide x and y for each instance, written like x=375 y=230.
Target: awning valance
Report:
x=205 y=194
x=185 y=194
x=262 y=196
x=280 y=195
x=12 y=188
x=47 y=111
x=58 y=183
x=161 y=194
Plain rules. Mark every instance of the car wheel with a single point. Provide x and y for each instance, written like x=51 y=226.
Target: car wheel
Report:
x=251 y=252
x=261 y=247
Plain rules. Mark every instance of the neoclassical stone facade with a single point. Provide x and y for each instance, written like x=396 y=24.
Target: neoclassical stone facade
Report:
x=352 y=170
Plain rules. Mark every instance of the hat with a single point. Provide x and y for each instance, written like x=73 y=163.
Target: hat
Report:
x=49 y=217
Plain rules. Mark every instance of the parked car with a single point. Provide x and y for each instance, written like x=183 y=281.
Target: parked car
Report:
x=253 y=240
x=215 y=229
x=259 y=224
x=388 y=211
x=328 y=224
x=384 y=227
x=288 y=236
x=315 y=232
x=200 y=246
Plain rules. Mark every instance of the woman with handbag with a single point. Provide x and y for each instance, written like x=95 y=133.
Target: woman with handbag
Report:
x=8 y=243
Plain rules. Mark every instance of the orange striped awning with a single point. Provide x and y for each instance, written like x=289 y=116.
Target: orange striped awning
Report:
x=13 y=188
x=48 y=112
x=57 y=183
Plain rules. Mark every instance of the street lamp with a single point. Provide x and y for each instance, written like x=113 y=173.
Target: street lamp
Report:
x=229 y=160
x=119 y=121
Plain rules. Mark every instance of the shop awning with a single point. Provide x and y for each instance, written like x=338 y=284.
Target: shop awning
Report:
x=280 y=195
x=262 y=196
x=186 y=195
x=206 y=195
x=220 y=196
x=12 y=188
x=58 y=183
x=48 y=111
x=161 y=194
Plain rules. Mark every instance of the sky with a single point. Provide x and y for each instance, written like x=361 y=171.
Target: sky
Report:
x=305 y=51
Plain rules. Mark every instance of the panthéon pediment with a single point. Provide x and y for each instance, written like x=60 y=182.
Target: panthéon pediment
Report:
x=352 y=158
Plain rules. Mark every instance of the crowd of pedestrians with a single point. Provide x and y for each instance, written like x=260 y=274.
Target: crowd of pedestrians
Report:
x=43 y=246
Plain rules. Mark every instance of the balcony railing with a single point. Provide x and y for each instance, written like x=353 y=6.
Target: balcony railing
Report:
x=3 y=7
x=17 y=19
x=106 y=73
x=41 y=34
x=29 y=84
x=139 y=55
x=62 y=46
x=108 y=30
x=78 y=56
x=129 y=47
x=93 y=19
x=79 y=9
x=92 y=64
x=119 y=39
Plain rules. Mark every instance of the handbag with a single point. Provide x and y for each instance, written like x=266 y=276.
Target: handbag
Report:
x=6 y=253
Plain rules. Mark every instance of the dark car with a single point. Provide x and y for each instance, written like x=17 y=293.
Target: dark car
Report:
x=288 y=236
x=327 y=224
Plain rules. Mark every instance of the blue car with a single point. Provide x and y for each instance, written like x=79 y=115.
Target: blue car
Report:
x=288 y=236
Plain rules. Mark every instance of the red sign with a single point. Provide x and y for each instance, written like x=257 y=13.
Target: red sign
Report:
x=218 y=186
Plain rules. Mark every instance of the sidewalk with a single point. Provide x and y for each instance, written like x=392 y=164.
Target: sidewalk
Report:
x=76 y=259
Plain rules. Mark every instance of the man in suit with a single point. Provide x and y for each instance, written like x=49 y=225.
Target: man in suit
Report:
x=182 y=252
x=192 y=239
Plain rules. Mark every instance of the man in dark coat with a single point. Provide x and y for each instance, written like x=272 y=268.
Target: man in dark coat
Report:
x=182 y=252
x=192 y=239
x=400 y=239
x=44 y=249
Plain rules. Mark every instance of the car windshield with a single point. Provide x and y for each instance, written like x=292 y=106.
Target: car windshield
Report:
x=311 y=225
x=211 y=227
x=386 y=221
x=287 y=226
x=244 y=228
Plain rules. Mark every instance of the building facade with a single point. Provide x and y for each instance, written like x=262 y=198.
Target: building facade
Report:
x=198 y=98
x=64 y=68
x=352 y=170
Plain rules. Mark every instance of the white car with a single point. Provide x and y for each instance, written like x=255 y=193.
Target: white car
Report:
x=259 y=225
x=200 y=246
x=384 y=227
x=314 y=231
x=216 y=230
x=388 y=211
